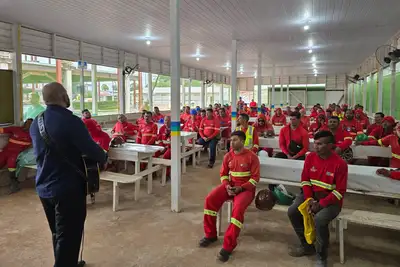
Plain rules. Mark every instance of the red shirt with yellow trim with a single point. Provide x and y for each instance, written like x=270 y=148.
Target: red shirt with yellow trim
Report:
x=390 y=140
x=147 y=134
x=298 y=135
x=327 y=176
x=19 y=139
x=353 y=127
x=343 y=139
x=241 y=169
x=209 y=128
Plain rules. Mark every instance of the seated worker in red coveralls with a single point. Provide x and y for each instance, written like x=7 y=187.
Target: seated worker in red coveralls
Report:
x=148 y=131
x=164 y=140
x=95 y=131
x=278 y=119
x=328 y=114
x=157 y=116
x=351 y=125
x=343 y=140
x=252 y=141
x=253 y=104
x=124 y=129
x=225 y=122
x=338 y=112
x=140 y=121
x=287 y=111
x=379 y=116
x=264 y=129
x=192 y=124
x=240 y=173
x=304 y=119
x=201 y=114
x=319 y=125
x=361 y=118
x=324 y=180
x=379 y=131
x=253 y=112
x=19 y=141
x=209 y=131
x=293 y=139
x=185 y=115
x=392 y=141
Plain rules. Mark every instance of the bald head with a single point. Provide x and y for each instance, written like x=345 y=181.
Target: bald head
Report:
x=55 y=94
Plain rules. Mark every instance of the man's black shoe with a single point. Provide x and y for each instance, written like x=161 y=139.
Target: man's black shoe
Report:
x=81 y=263
x=205 y=242
x=223 y=255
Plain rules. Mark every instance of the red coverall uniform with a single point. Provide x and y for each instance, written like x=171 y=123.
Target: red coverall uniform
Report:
x=209 y=128
x=299 y=135
x=191 y=125
x=253 y=114
x=327 y=176
x=315 y=127
x=251 y=143
x=140 y=121
x=343 y=139
x=395 y=175
x=371 y=128
x=147 y=136
x=263 y=129
x=225 y=122
x=184 y=117
x=305 y=122
x=353 y=127
x=278 y=120
x=100 y=137
x=253 y=104
x=18 y=142
x=124 y=130
x=378 y=132
x=392 y=141
x=242 y=169
x=164 y=137
x=157 y=117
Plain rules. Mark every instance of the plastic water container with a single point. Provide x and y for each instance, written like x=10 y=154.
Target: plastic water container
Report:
x=263 y=154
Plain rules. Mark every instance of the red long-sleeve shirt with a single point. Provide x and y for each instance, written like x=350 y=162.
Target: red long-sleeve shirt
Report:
x=316 y=127
x=372 y=127
x=278 y=120
x=325 y=175
x=209 y=128
x=93 y=127
x=184 y=117
x=395 y=175
x=124 y=129
x=157 y=117
x=164 y=136
x=191 y=125
x=343 y=139
x=256 y=142
x=378 y=132
x=305 y=122
x=147 y=134
x=299 y=135
x=392 y=141
x=225 y=122
x=364 y=122
x=19 y=139
x=353 y=127
x=241 y=169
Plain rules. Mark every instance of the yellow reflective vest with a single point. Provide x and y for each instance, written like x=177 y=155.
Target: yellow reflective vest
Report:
x=249 y=136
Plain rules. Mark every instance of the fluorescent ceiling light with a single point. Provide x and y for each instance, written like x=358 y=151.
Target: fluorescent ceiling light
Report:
x=241 y=72
x=313 y=58
x=310 y=43
x=227 y=68
x=310 y=51
x=197 y=58
x=148 y=42
x=315 y=75
x=306 y=27
x=314 y=65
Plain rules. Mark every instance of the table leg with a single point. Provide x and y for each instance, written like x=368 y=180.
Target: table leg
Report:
x=183 y=159
x=219 y=222
x=164 y=176
x=115 y=196
x=150 y=176
x=137 y=166
x=341 y=240
x=194 y=154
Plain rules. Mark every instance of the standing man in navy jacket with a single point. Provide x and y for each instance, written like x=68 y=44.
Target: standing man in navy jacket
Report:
x=61 y=189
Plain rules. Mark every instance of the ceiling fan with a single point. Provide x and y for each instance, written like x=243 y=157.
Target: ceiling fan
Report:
x=128 y=70
x=208 y=83
x=355 y=78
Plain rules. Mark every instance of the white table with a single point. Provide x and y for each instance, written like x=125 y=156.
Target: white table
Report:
x=277 y=129
x=185 y=137
x=136 y=153
x=253 y=119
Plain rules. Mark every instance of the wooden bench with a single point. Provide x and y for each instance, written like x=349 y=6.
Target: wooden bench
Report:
x=368 y=218
x=118 y=178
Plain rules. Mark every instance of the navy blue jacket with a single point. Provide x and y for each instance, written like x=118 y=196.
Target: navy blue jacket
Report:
x=55 y=177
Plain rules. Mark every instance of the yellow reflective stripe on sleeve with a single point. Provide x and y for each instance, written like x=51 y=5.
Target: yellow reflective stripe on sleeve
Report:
x=240 y=174
x=360 y=132
x=380 y=142
x=224 y=178
x=337 y=194
x=253 y=182
x=236 y=222
x=305 y=183
x=11 y=169
x=348 y=138
x=395 y=156
x=256 y=146
x=322 y=184
x=210 y=212
x=371 y=136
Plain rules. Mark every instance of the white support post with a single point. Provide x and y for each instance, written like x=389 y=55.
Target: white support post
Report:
x=287 y=94
x=175 y=107
x=150 y=86
x=281 y=104
x=17 y=67
x=371 y=98
x=212 y=100
x=95 y=96
x=380 y=90
x=273 y=91
x=364 y=85
x=393 y=89
x=202 y=92
x=259 y=83
x=221 y=94
x=82 y=89
x=190 y=92
x=233 y=83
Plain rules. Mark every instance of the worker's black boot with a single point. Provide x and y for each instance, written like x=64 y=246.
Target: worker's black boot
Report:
x=224 y=255
x=205 y=242
x=301 y=250
x=14 y=186
x=81 y=263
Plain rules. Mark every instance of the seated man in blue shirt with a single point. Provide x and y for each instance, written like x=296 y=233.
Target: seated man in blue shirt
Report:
x=60 y=187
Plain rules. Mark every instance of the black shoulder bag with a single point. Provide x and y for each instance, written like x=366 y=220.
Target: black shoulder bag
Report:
x=91 y=173
x=294 y=148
